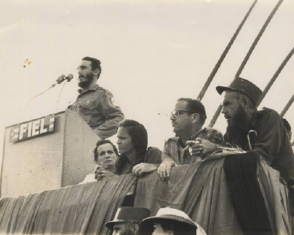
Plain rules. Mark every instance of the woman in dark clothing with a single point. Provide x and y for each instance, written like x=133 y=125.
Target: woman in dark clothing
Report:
x=134 y=157
x=132 y=142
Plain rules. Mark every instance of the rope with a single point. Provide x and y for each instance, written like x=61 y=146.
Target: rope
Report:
x=219 y=62
x=217 y=113
x=276 y=75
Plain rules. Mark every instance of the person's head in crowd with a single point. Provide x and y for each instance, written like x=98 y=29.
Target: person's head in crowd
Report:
x=105 y=154
x=89 y=72
x=127 y=220
x=240 y=102
x=188 y=117
x=135 y=157
x=288 y=128
x=170 y=221
x=132 y=138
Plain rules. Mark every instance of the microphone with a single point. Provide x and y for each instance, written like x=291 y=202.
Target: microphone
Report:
x=69 y=77
x=60 y=79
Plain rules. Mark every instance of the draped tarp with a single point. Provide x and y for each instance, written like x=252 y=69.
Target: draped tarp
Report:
x=200 y=189
x=79 y=209
x=245 y=193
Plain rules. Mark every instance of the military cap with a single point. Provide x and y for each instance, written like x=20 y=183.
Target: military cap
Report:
x=243 y=86
x=124 y=214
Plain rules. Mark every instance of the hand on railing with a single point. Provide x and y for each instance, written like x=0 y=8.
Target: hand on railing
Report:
x=101 y=173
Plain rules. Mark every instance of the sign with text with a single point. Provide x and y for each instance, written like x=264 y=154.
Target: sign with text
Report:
x=31 y=129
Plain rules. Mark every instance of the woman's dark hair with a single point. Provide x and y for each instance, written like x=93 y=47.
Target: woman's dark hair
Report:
x=138 y=135
x=101 y=142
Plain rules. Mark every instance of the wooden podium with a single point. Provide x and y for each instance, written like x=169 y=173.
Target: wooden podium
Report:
x=46 y=153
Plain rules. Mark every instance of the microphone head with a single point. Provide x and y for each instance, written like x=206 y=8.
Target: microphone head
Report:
x=60 y=79
x=69 y=77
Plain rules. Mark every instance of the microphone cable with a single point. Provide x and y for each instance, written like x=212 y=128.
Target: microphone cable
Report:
x=58 y=81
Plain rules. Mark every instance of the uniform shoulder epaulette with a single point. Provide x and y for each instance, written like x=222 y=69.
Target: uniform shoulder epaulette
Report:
x=211 y=130
x=171 y=139
x=99 y=88
x=265 y=110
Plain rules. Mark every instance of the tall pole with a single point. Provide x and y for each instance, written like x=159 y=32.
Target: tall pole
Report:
x=215 y=116
x=287 y=106
x=268 y=20
x=220 y=60
x=271 y=82
x=244 y=62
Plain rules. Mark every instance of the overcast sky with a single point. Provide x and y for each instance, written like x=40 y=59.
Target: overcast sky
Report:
x=152 y=53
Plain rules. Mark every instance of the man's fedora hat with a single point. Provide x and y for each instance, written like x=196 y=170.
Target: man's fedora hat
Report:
x=169 y=214
x=124 y=214
x=243 y=86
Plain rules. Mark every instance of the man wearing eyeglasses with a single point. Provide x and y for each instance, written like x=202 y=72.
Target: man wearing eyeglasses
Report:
x=187 y=120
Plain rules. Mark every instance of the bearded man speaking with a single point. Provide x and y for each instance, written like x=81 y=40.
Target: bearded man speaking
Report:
x=95 y=104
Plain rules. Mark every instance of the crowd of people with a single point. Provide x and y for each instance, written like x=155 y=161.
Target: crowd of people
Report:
x=263 y=132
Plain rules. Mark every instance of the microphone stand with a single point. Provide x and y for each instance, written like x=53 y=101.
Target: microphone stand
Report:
x=53 y=85
x=68 y=78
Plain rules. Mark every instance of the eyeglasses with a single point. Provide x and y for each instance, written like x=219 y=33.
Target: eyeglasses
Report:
x=177 y=113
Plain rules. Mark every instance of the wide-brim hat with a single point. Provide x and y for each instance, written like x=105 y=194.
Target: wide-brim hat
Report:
x=124 y=214
x=169 y=214
x=243 y=86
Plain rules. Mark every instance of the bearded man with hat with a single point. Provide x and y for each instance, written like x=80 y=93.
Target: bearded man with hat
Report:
x=262 y=132
x=127 y=221
x=170 y=221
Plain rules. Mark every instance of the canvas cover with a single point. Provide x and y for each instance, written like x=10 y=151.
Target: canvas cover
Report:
x=199 y=189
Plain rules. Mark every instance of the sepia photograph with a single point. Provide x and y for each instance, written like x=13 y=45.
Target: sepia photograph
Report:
x=147 y=117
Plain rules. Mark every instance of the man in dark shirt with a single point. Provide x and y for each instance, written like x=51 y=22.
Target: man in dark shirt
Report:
x=262 y=132
x=95 y=104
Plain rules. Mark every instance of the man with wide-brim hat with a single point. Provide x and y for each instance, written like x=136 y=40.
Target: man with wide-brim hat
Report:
x=127 y=220
x=173 y=222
